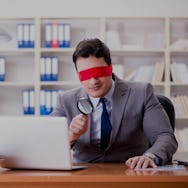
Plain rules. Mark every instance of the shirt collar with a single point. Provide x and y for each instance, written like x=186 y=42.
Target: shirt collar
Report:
x=95 y=101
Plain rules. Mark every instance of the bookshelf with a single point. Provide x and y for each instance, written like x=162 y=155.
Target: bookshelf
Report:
x=138 y=45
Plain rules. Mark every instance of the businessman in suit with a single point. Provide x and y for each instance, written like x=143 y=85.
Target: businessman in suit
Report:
x=140 y=133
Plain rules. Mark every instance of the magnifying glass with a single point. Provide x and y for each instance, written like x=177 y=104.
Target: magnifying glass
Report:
x=85 y=106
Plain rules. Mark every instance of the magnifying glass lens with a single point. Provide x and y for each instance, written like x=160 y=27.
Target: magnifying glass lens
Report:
x=85 y=106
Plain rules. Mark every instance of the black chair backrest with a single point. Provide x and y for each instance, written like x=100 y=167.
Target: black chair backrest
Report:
x=169 y=108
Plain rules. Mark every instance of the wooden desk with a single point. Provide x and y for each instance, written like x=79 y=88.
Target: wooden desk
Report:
x=95 y=176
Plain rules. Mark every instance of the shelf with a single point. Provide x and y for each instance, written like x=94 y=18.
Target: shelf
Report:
x=17 y=84
x=57 y=50
x=137 y=51
x=60 y=83
x=183 y=52
x=179 y=84
x=16 y=50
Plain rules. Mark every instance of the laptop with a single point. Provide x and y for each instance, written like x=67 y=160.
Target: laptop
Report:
x=35 y=143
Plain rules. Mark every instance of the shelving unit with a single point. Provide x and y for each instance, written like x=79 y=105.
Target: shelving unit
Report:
x=134 y=43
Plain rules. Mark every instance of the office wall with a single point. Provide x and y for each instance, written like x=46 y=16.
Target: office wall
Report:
x=57 y=8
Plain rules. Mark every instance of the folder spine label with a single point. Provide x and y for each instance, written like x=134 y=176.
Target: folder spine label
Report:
x=28 y=102
x=26 y=35
x=57 y=35
x=67 y=35
x=49 y=69
x=48 y=35
x=48 y=101
x=2 y=69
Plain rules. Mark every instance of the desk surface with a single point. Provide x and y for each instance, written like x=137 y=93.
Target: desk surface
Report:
x=96 y=174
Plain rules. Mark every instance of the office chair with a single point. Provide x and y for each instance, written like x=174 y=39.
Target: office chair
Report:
x=169 y=108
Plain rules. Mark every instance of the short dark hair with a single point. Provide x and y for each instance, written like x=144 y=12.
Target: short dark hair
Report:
x=94 y=47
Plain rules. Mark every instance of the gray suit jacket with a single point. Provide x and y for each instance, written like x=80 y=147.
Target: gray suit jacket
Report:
x=139 y=124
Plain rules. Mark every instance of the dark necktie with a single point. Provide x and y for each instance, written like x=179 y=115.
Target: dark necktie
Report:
x=105 y=126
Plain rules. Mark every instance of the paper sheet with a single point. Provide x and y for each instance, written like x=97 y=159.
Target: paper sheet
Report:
x=164 y=168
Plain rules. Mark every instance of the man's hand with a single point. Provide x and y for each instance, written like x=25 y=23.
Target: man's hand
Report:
x=78 y=126
x=140 y=162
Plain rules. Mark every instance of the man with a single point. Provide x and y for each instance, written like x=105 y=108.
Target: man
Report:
x=140 y=133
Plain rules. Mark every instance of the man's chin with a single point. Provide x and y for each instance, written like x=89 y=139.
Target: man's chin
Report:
x=95 y=95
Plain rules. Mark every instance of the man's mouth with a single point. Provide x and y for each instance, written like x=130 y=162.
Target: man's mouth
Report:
x=95 y=88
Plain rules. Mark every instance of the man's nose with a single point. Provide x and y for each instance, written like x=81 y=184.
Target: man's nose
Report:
x=93 y=80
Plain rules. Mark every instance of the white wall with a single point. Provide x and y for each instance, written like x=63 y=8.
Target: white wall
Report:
x=58 y=8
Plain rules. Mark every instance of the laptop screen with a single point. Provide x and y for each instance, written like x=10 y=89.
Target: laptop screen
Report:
x=35 y=143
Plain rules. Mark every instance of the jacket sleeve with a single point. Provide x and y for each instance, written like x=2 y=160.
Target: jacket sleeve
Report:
x=58 y=110
x=157 y=128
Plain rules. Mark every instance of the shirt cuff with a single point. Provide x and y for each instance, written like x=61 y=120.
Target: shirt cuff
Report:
x=157 y=160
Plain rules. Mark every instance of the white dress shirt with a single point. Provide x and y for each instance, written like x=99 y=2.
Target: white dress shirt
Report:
x=96 y=115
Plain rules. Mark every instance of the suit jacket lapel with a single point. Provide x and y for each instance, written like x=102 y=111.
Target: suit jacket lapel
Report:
x=120 y=97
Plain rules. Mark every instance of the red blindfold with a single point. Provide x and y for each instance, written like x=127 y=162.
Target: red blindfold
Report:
x=95 y=72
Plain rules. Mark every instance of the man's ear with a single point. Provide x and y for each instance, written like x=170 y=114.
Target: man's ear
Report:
x=113 y=76
x=75 y=67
